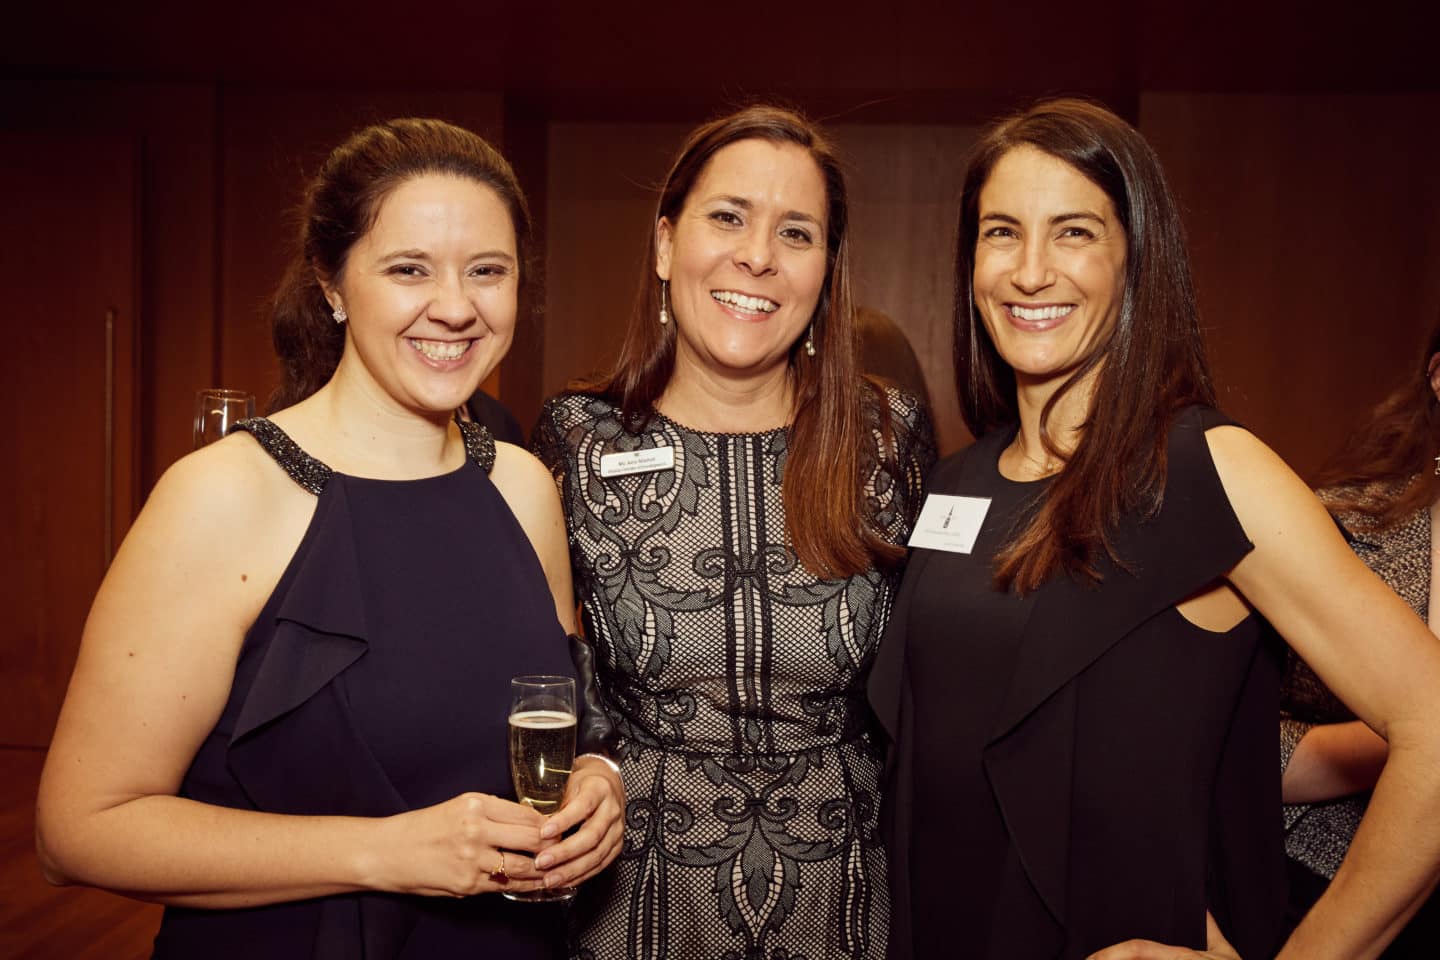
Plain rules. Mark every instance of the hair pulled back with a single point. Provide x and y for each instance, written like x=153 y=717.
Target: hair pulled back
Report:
x=340 y=205
x=1150 y=366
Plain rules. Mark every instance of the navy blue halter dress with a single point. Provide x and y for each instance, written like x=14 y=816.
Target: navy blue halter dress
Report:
x=376 y=680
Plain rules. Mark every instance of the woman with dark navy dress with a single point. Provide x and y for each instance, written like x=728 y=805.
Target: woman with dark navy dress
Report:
x=1080 y=678
x=288 y=717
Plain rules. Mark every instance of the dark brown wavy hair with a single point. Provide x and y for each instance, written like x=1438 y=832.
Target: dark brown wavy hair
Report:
x=1396 y=446
x=1149 y=366
x=340 y=205
x=825 y=515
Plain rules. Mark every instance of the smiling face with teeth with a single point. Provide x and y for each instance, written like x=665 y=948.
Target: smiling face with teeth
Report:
x=431 y=292
x=746 y=260
x=1049 y=264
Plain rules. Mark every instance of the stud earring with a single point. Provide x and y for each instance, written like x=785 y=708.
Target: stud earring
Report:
x=810 y=340
x=340 y=315
x=664 y=291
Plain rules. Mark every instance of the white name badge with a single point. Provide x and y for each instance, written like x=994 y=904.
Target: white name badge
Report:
x=637 y=461
x=949 y=523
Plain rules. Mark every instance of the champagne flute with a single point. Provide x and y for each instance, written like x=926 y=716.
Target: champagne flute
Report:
x=542 y=750
x=218 y=410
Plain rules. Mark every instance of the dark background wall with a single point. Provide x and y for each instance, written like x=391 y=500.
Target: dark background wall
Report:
x=1300 y=141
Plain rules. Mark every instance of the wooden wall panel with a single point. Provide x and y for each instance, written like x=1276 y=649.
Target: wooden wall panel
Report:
x=66 y=490
x=904 y=194
x=274 y=138
x=178 y=272
x=174 y=125
x=526 y=146
x=1315 y=232
x=601 y=194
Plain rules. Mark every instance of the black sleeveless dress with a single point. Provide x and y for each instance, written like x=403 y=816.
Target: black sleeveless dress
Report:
x=375 y=681
x=1080 y=765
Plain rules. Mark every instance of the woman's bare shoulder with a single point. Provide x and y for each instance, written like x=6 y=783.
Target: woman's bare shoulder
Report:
x=220 y=489
x=524 y=482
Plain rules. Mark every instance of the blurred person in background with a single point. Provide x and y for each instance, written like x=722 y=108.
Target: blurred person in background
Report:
x=1382 y=488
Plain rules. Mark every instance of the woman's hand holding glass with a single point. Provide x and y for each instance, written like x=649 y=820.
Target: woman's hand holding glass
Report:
x=595 y=802
x=473 y=843
x=582 y=793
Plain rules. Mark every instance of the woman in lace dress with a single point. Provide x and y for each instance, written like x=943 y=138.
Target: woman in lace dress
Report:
x=737 y=498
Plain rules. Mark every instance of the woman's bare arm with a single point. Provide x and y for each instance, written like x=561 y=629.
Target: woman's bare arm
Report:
x=529 y=491
x=1377 y=656
x=1334 y=760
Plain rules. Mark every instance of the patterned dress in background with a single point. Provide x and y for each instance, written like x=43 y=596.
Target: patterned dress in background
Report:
x=737 y=680
x=1318 y=835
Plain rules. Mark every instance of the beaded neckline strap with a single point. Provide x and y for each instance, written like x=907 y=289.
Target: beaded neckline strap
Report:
x=479 y=444
x=303 y=468
x=314 y=475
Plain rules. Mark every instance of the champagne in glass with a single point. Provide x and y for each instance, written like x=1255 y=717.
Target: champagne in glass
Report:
x=542 y=749
x=217 y=411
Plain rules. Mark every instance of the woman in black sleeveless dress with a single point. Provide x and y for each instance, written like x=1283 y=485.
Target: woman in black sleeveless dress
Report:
x=288 y=719
x=1080 y=702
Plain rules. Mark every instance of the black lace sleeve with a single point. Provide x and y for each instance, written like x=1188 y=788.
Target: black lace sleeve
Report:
x=904 y=454
x=547 y=441
x=917 y=459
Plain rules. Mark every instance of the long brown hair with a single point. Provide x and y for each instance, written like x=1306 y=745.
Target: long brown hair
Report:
x=825 y=516
x=341 y=204
x=1396 y=446
x=1150 y=365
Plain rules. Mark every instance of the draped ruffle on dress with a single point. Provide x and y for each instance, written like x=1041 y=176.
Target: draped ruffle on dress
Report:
x=376 y=681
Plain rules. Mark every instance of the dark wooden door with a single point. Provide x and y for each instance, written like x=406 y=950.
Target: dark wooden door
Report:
x=68 y=224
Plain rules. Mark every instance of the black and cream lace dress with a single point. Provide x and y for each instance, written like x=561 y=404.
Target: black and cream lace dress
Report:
x=737 y=680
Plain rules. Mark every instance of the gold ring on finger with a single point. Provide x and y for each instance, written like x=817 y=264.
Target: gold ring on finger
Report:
x=499 y=873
